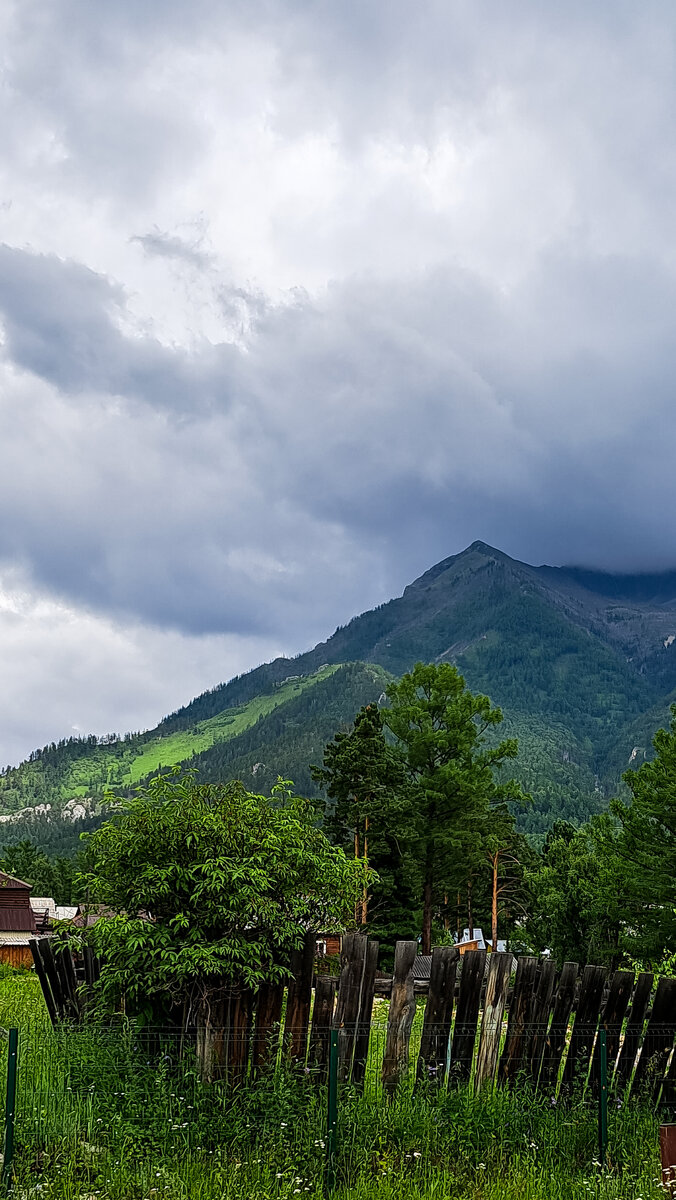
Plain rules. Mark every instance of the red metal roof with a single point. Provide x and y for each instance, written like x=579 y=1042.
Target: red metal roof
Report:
x=17 y=918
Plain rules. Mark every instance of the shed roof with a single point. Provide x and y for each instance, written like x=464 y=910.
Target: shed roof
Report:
x=9 y=881
x=422 y=966
x=17 y=917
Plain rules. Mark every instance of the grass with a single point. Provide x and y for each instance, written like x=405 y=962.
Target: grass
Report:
x=120 y=1115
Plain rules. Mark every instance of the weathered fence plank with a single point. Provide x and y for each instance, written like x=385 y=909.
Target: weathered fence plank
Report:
x=538 y=1019
x=239 y=1020
x=612 y=1017
x=50 y=1004
x=497 y=983
x=402 y=1012
x=521 y=1006
x=322 y=1020
x=436 y=1029
x=267 y=1027
x=658 y=1040
x=353 y=966
x=299 y=998
x=556 y=1038
x=55 y=982
x=587 y=1017
x=668 y=1097
x=365 y=1014
x=467 y=1014
x=63 y=962
x=634 y=1029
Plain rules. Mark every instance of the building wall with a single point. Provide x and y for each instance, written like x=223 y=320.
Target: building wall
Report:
x=16 y=956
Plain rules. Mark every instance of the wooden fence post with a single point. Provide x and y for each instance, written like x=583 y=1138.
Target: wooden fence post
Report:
x=659 y=1038
x=522 y=1003
x=539 y=1019
x=299 y=998
x=556 y=1038
x=632 y=1034
x=352 y=968
x=585 y=1025
x=402 y=1012
x=611 y=1021
x=472 y=969
x=436 y=1029
x=497 y=982
x=268 y=1019
x=322 y=1020
x=365 y=1014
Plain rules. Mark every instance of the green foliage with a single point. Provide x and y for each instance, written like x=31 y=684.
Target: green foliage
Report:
x=49 y=876
x=439 y=727
x=365 y=779
x=208 y=887
x=576 y=889
x=292 y=737
x=646 y=847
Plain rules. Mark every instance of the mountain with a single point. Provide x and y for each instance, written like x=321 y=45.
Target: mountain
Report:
x=583 y=664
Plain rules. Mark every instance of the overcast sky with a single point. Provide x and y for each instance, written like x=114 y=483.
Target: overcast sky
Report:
x=298 y=297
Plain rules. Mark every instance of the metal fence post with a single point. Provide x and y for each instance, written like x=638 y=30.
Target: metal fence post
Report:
x=603 y=1096
x=332 y=1115
x=10 y=1104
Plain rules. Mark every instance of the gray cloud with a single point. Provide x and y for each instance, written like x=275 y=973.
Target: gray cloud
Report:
x=297 y=299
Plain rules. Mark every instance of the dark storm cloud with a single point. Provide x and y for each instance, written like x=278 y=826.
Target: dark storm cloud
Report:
x=61 y=323
x=381 y=420
x=298 y=298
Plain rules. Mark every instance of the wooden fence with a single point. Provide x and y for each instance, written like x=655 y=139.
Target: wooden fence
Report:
x=483 y=1020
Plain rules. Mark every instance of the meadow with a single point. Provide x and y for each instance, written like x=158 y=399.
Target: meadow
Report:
x=122 y=1114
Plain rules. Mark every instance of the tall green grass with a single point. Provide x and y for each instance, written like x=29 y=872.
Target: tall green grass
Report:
x=122 y=1115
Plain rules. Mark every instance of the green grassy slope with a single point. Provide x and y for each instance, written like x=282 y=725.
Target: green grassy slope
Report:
x=122 y=764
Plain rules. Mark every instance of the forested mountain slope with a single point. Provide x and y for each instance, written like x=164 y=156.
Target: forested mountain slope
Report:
x=583 y=664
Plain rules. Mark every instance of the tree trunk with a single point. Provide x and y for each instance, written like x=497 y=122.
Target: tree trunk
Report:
x=213 y=1023
x=365 y=894
x=470 y=924
x=427 y=919
x=357 y=903
x=494 y=905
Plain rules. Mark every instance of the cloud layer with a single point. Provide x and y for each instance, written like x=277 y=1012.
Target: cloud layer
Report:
x=298 y=298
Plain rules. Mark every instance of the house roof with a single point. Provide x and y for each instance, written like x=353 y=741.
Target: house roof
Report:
x=89 y=914
x=17 y=917
x=9 y=881
x=66 y=912
x=422 y=966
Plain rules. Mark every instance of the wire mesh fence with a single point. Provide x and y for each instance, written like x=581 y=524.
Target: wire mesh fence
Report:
x=91 y=1099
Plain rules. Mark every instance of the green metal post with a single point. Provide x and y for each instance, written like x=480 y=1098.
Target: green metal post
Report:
x=332 y=1115
x=603 y=1097
x=10 y=1104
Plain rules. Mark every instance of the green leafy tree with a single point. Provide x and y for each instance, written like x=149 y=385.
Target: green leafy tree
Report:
x=48 y=876
x=208 y=889
x=647 y=849
x=365 y=779
x=507 y=854
x=571 y=913
x=440 y=728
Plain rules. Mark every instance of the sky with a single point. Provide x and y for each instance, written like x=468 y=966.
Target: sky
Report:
x=299 y=297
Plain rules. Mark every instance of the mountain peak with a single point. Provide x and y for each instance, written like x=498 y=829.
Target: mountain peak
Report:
x=479 y=548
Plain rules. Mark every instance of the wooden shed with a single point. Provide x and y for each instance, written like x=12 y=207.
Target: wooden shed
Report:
x=17 y=922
